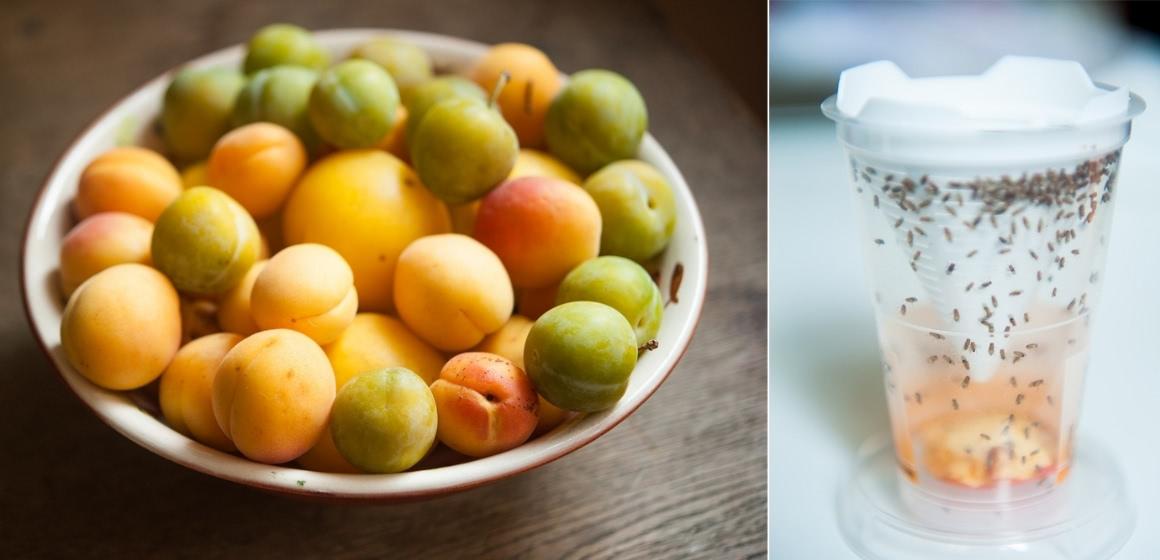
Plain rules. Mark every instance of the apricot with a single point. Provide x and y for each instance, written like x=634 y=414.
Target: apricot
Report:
x=308 y=288
x=187 y=389
x=452 y=291
x=129 y=179
x=384 y=421
x=395 y=141
x=122 y=326
x=540 y=227
x=194 y=175
x=367 y=205
x=549 y=416
x=257 y=165
x=529 y=163
x=325 y=456
x=272 y=395
x=100 y=241
x=376 y=341
x=534 y=163
x=534 y=81
x=233 y=312
x=508 y=342
x=205 y=241
x=486 y=404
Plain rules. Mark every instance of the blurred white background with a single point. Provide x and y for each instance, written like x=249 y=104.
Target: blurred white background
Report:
x=825 y=390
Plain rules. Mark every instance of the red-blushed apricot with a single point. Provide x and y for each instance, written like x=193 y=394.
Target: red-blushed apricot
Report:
x=129 y=179
x=540 y=227
x=367 y=205
x=100 y=241
x=533 y=302
x=534 y=81
x=122 y=326
x=272 y=395
x=308 y=288
x=508 y=342
x=452 y=291
x=233 y=313
x=486 y=404
x=257 y=164
x=186 y=393
x=529 y=163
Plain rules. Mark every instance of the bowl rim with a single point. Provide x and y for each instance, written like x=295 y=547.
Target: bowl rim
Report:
x=551 y=454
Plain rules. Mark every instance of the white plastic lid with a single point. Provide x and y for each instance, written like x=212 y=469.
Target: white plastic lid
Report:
x=1016 y=93
x=1021 y=113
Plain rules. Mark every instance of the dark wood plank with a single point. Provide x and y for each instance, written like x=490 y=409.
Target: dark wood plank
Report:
x=684 y=477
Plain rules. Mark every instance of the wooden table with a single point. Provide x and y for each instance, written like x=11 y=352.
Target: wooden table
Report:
x=683 y=477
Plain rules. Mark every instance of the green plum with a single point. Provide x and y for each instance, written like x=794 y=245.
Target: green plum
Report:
x=354 y=104
x=384 y=421
x=580 y=355
x=408 y=64
x=597 y=119
x=427 y=94
x=204 y=241
x=196 y=110
x=622 y=284
x=282 y=43
x=279 y=95
x=637 y=209
x=463 y=149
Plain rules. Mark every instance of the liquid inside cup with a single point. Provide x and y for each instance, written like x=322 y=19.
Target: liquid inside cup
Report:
x=984 y=283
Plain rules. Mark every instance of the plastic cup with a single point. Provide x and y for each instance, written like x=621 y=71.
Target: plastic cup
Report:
x=984 y=251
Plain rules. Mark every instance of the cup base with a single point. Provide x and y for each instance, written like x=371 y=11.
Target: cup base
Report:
x=885 y=517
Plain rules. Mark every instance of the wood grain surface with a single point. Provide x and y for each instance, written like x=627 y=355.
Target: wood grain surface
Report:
x=683 y=477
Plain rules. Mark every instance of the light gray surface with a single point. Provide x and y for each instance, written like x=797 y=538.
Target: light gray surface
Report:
x=825 y=392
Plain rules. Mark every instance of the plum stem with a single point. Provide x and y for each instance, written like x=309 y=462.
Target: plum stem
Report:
x=501 y=83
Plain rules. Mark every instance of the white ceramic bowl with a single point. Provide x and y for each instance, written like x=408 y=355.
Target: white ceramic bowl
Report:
x=134 y=414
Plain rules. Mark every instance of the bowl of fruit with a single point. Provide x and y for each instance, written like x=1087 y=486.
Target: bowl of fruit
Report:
x=366 y=264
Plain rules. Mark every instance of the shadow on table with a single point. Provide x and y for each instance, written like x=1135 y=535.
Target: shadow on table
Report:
x=836 y=367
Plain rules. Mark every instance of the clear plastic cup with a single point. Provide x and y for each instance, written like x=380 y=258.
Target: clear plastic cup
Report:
x=985 y=251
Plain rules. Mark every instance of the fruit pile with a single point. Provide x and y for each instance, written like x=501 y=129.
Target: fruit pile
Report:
x=304 y=293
